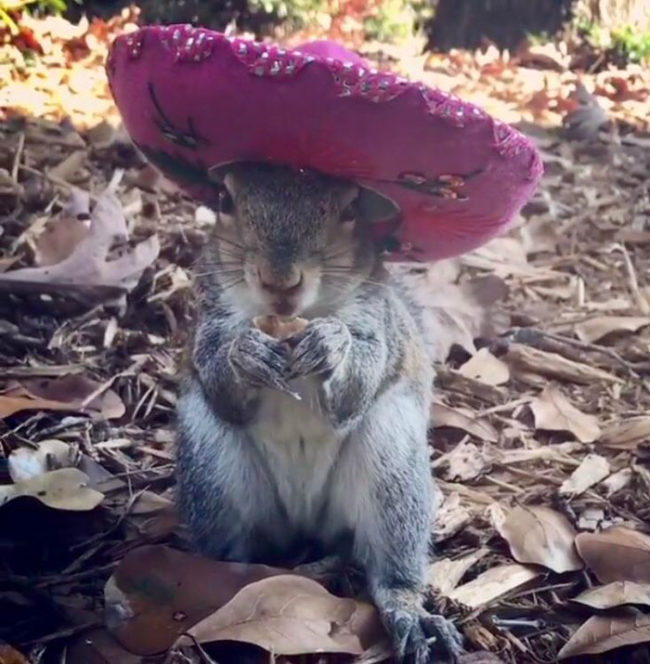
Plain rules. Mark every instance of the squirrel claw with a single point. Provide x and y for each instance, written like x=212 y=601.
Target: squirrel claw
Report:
x=413 y=633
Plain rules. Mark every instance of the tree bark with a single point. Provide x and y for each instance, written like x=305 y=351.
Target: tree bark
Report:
x=468 y=23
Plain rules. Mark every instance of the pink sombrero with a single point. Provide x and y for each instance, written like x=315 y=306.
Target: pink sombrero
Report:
x=194 y=100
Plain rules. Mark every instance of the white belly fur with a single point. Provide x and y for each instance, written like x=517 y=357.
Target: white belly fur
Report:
x=300 y=447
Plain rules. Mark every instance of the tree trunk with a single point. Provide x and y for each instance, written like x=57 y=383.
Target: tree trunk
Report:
x=616 y=14
x=467 y=23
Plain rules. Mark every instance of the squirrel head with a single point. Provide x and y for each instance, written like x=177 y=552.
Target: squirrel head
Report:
x=287 y=241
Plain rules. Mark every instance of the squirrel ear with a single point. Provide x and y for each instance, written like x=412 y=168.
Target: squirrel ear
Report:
x=374 y=207
x=348 y=195
x=224 y=176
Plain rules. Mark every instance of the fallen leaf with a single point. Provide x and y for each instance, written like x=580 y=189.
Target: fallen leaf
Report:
x=73 y=392
x=479 y=658
x=10 y=405
x=604 y=633
x=445 y=574
x=9 y=655
x=63 y=233
x=449 y=518
x=89 y=266
x=157 y=593
x=292 y=615
x=465 y=462
x=97 y=646
x=64 y=489
x=593 y=469
x=492 y=584
x=614 y=594
x=553 y=412
x=618 y=481
x=452 y=314
x=101 y=135
x=539 y=535
x=486 y=368
x=27 y=462
x=457 y=418
x=616 y=554
x=626 y=434
x=65 y=169
x=597 y=328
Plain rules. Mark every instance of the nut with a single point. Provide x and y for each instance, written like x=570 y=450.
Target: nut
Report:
x=279 y=328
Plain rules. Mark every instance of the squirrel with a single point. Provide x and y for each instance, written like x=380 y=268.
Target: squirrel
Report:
x=321 y=437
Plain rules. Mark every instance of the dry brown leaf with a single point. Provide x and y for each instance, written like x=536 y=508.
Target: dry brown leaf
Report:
x=618 y=481
x=617 y=554
x=98 y=646
x=292 y=615
x=614 y=594
x=597 y=328
x=452 y=314
x=445 y=574
x=492 y=584
x=539 y=535
x=528 y=360
x=604 y=633
x=465 y=462
x=67 y=168
x=89 y=266
x=457 y=418
x=483 y=657
x=157 y=593
x=449 y=518
x=626 y=434
x=10 y=405
x=27 y=462
x=101 y=135
x=486 y=368
x=64 y=489
x=553 y=412
x=9 y=655
x=67 y=393
x=58 y=240
x=593 y=469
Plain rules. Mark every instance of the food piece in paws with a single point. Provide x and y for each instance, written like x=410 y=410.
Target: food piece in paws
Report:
x=279 y=328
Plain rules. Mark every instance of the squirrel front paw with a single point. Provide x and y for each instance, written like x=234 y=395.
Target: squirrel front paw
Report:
x=259 y=360
x=320 y=348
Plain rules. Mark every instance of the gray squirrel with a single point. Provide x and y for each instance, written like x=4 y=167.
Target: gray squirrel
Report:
x=322 y=437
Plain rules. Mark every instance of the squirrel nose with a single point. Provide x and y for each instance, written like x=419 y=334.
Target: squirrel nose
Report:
x=285 y=284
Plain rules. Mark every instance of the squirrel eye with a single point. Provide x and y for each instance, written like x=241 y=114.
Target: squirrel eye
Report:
x=226 y=204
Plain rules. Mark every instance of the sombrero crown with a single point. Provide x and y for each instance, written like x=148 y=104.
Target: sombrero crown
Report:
x=195 y=100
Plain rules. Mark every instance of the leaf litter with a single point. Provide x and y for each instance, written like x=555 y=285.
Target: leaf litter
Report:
x=540 y=416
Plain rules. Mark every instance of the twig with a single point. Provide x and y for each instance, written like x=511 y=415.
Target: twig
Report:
x=532 y=337
x=641 y=302
x=17 y=157
x=48 y=582
x=64 y=633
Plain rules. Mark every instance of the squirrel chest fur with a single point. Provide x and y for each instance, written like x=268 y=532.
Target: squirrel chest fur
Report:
x=300 y=447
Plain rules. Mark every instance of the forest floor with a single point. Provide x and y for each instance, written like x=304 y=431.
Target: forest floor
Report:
x=540 y=424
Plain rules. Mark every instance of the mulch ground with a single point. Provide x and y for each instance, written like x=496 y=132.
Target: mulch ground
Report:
x=540 y=425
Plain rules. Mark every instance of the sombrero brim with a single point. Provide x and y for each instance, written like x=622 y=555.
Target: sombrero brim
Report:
x=193 y=100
